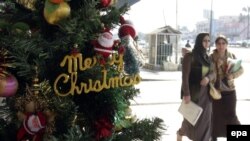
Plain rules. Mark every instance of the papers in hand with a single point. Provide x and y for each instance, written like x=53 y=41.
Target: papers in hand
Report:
x=234 y=65
x=191 y=111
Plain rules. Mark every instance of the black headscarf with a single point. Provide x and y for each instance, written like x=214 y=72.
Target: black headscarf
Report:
x=199 y=52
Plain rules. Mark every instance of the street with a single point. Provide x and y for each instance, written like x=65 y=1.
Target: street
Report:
x=160 y=96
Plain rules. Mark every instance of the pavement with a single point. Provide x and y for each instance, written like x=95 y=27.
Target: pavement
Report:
x=160 y=97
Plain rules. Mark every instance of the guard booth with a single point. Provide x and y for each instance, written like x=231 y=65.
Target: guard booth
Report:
x=163 y=47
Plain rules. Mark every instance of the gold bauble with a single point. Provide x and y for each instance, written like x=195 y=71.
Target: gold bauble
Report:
x=63 y=11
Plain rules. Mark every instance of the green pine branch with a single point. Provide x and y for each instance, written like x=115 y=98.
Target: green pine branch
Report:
x=144 y=130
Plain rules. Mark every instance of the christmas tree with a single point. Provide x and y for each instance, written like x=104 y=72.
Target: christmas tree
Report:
x=64 y=76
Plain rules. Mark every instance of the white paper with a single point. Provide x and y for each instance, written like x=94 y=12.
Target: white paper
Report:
x=191 y=111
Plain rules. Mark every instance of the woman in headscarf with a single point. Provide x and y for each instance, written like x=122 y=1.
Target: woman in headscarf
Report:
x=224 y=109
x=197 y=72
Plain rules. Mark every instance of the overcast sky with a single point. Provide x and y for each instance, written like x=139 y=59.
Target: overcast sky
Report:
x=148 y=15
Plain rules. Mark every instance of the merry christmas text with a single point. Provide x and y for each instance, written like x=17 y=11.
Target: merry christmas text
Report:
x=76 y=63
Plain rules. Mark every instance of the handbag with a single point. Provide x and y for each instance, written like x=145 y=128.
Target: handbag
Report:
x=214 y=93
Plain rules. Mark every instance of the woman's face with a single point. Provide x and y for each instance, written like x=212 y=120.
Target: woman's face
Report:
x=221 y=45
x=206 y=42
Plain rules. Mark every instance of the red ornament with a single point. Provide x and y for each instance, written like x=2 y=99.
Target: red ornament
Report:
x=127 y=28
x=105 y=3
x=104 y=44
x=103 y=128
x=56 y=1
x=8 y=85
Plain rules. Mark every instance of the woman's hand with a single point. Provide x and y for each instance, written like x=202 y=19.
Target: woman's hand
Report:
x=204 y=81
x=187 y=99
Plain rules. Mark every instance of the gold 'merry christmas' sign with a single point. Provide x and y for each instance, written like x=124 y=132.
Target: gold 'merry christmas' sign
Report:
x=76 y=63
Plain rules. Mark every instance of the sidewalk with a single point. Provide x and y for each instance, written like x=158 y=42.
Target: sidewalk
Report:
x=160 y=97
x=150 y=75
x=172 y=119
